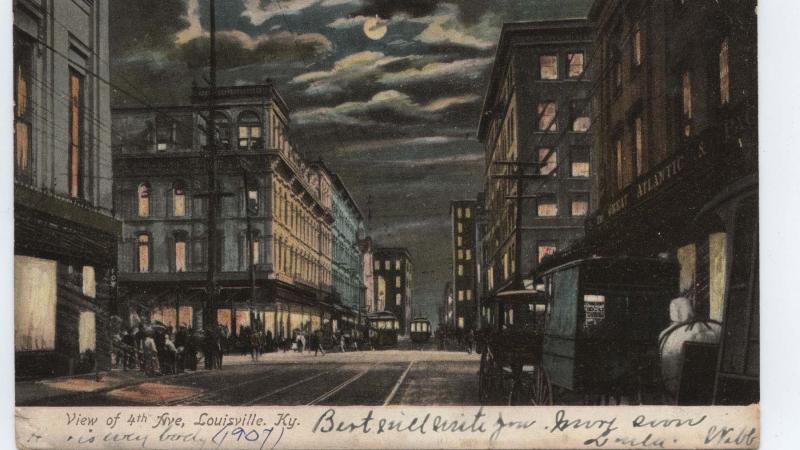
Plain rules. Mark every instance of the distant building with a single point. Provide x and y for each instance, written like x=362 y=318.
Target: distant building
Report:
x=480 y=259
x=277 y=278
x=64 y=231
x=447 y=312
x=367 y=259
x=536 y=129
x=393 y=272
x=465 y=268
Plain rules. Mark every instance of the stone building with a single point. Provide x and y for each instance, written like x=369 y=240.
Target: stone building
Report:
x=465 y=268
x=64 y=230
x=536 y=127
x=277 y=277
x=393 y=273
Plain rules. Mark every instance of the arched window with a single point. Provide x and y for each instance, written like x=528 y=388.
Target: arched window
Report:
x=249 y=131
x=223 y=126
x=143 y=253
x=143 y=195
x=180 y=252
x=178 y=199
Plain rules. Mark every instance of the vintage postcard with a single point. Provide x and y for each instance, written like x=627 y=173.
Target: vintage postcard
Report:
x=267 y=224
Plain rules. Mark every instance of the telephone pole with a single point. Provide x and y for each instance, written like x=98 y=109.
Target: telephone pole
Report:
x=209 y=315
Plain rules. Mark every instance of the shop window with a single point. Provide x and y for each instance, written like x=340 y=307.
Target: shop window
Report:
x=579 y=162
x=574 y=64
x=636 y=46
x=34 y=304
x=548 y=67
x=547 y=116
x=724 y=75
x=545 y=249
x=249 y=131
x=579 y=207
x=179 y=199
x=638 y=146
x=89 y=282
x=580 y=118
x=686 y=102
x=143 y=253
x=87 y=326
x=717 y=258
x=546 y=206
x=76 y=101
x=143 y=195
x=687 y=259
x=548 y=161
x=23 y=77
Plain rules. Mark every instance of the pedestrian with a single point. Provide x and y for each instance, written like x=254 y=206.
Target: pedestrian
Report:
x=181 y=345
x=218 y=344
x=317 y=343
x=151 y=367
x=268 y=341
x=171 y=355
x=341 y=343
x=128 y=354
x=255 y=343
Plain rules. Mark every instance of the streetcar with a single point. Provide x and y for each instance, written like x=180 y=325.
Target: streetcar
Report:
x=420 y=330
x=590 y=332
x=383 y=328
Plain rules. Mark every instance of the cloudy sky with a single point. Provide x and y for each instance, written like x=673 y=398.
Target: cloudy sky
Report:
x=387 y=92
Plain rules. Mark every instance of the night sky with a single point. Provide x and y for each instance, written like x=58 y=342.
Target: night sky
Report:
x=391 y=106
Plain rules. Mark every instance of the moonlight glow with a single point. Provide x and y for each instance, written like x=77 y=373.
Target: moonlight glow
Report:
x=374 y=28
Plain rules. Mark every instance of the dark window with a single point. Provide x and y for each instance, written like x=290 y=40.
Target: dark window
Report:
x=580 y=120
x=165 y=133
x=223 y=126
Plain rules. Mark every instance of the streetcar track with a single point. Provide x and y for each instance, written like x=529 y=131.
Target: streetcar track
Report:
x=398 y=384
x=341 y=386
x=215 y=393
x=285 y=388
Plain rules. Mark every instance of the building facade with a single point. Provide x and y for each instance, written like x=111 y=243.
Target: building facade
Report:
x=536 y=128
x=394 y=283
x=65 y=233
x=275 y=216
x=465 y=268
x=348 y=229
x=365 y=246
x=676 y=149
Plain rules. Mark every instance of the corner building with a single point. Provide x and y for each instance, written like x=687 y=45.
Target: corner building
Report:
x=277 y=277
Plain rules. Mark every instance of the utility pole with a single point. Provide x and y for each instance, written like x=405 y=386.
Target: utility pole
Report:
x=209 y=316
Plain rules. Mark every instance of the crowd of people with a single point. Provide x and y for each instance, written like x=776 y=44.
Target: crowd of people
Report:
x=456 y=339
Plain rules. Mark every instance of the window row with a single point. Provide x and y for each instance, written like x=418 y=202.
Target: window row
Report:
x=578 y=161
x=179 y=248
x=464 y=295
x=303 y=224
x=463 y=254
x=463 y=212
x=387 y=264
x=580 y=120
x=547 y=206
x=549 y=66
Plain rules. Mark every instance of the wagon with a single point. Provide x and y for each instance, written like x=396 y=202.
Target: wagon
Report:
x=602 y=325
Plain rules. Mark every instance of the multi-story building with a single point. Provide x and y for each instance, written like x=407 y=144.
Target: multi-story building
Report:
x=393 y=273
x=348 y=229
x=365 y=245
x=447 y=308
x=483 y=313
x=65 y=233
x=536 y=128
x=676 y=145
x=465 y=269
x=274 y=219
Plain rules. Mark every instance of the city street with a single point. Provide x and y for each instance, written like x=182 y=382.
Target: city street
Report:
x=389 y=377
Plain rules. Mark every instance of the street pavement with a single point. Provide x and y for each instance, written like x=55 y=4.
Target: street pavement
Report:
x=385 y=377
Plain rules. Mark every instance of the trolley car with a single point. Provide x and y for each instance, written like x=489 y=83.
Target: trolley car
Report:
x=383 y=329
x=420 y=330
x=590 y=333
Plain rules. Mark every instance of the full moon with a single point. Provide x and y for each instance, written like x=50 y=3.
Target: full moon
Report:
x=374 y=28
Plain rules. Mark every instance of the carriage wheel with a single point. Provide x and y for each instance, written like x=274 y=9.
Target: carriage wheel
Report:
x=541 y=390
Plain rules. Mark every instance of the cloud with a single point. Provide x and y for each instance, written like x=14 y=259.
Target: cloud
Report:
x=192 y=17
x=380 y=144
x=347 y=70
x=444 y=28
x=364 y=113
x=259 y=11
x=145 y=25
x=236 y=48
x=472 y=68
x=347 y=22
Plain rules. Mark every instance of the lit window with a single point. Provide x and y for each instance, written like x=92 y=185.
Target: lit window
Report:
x=460 y=269
x=398 y=299
x=468 y=255
x=144 y=253
x=87 y=326
x=180 y=255
x=89 y=282
x=387 y=265
x=546 y=207
x=249 y=131
x=75 y=134
x=254 y=250
x=548 y=161
x=574 y=64
x=178 y=200
x=686 y=102
x=35 y=301
x=458 y=212
x=460 y=295
x=144 y=200
x=724 y=75
x=638 y=145
x=547 y=116
x=580 y=120
x=164 y=133
x=469 y=294
x=579 y=166
x=579 y=207
x=22 y=112
x=546 y=249
x=397 y=264
x=252 y=201
x=460 y=254
x=397 y=281
x=377 y=265
x=548 y=67
x=636 y=51
x=621 y=178
x=467 y=212
x=458 y=241
x=460 y=322
x=460 y=227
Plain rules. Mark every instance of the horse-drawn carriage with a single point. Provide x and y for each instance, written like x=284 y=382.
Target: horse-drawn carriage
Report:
x=588 y=332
